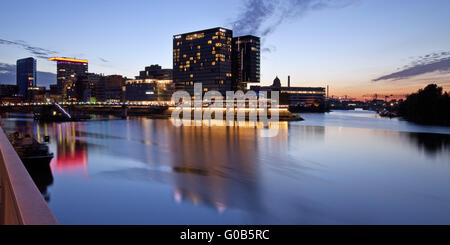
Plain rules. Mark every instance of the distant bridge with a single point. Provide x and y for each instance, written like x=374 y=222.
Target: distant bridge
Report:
x=110 y=108
x=110 y=104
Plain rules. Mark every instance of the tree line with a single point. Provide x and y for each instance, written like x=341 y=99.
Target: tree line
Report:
x=430 y=105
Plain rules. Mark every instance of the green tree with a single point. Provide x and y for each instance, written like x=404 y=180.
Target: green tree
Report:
x=429 y=106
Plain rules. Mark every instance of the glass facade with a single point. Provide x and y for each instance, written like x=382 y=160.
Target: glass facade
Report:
x=26 y=75
x=203 y=57
x=68 y=71
x=246 y=61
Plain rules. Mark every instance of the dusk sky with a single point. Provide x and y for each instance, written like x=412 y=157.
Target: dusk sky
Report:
x=357 y=47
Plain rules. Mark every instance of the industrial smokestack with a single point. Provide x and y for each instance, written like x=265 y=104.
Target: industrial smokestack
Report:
x=289 y=81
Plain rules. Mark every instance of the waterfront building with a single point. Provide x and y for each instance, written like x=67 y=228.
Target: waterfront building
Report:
x=55 y=94
x=147 y=90
x=295 y=96
x=203 y=57
x=7 y=90
x=68 y=71
x=114 y=88
x=245 y=61
x=155 y=72
x=26 y=75
x=37 y=94
x=100 y=91
x=89 y=87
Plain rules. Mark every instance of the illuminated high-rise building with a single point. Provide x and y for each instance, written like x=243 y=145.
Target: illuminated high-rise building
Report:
x=26 y=75
x=203 y=57
x=68 y=71
x=245 y=61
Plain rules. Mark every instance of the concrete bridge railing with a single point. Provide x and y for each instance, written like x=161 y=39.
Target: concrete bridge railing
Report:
x=21 y=203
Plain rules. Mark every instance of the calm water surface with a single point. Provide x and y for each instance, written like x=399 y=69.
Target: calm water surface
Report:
x=344 y=167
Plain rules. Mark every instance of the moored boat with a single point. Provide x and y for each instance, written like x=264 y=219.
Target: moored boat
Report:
x=30 y=151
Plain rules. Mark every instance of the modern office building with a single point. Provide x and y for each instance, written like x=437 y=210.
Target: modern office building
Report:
x=246 y=61
x=114 y=88
x=203 y=57
x=26 y=75
x=155 y=72
x=99 y=81
x=147 y=90
x=86 y=87
x=295 y=96
x=68 y=71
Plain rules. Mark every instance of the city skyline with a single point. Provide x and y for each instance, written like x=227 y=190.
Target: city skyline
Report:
x=393 y=50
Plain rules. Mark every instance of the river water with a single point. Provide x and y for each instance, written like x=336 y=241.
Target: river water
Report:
x=343 y=167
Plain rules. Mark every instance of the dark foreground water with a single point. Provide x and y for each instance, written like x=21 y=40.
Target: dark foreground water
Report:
x=337 y=168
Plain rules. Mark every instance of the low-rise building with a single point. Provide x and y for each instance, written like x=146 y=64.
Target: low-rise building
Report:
x=89 y=88
x=295 y=96
x=37 y=94
x=141 y=90
x=155 y=72
x=7 y=90
x=114 y=88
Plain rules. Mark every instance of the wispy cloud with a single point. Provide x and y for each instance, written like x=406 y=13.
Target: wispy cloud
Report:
x=35 y=51
x=7 y=73
x=262 y=17
x=103 y=60
x=435 y=62
x=269 y=49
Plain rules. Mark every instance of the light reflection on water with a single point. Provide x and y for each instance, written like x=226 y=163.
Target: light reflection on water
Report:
x=337 y=168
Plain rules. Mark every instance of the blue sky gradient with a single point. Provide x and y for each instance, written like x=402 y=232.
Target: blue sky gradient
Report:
x=347 y=47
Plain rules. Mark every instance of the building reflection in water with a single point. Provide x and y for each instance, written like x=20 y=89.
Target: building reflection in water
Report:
x=71 y=152
x=66 y=144
x=42 y=177
x=217 y=166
